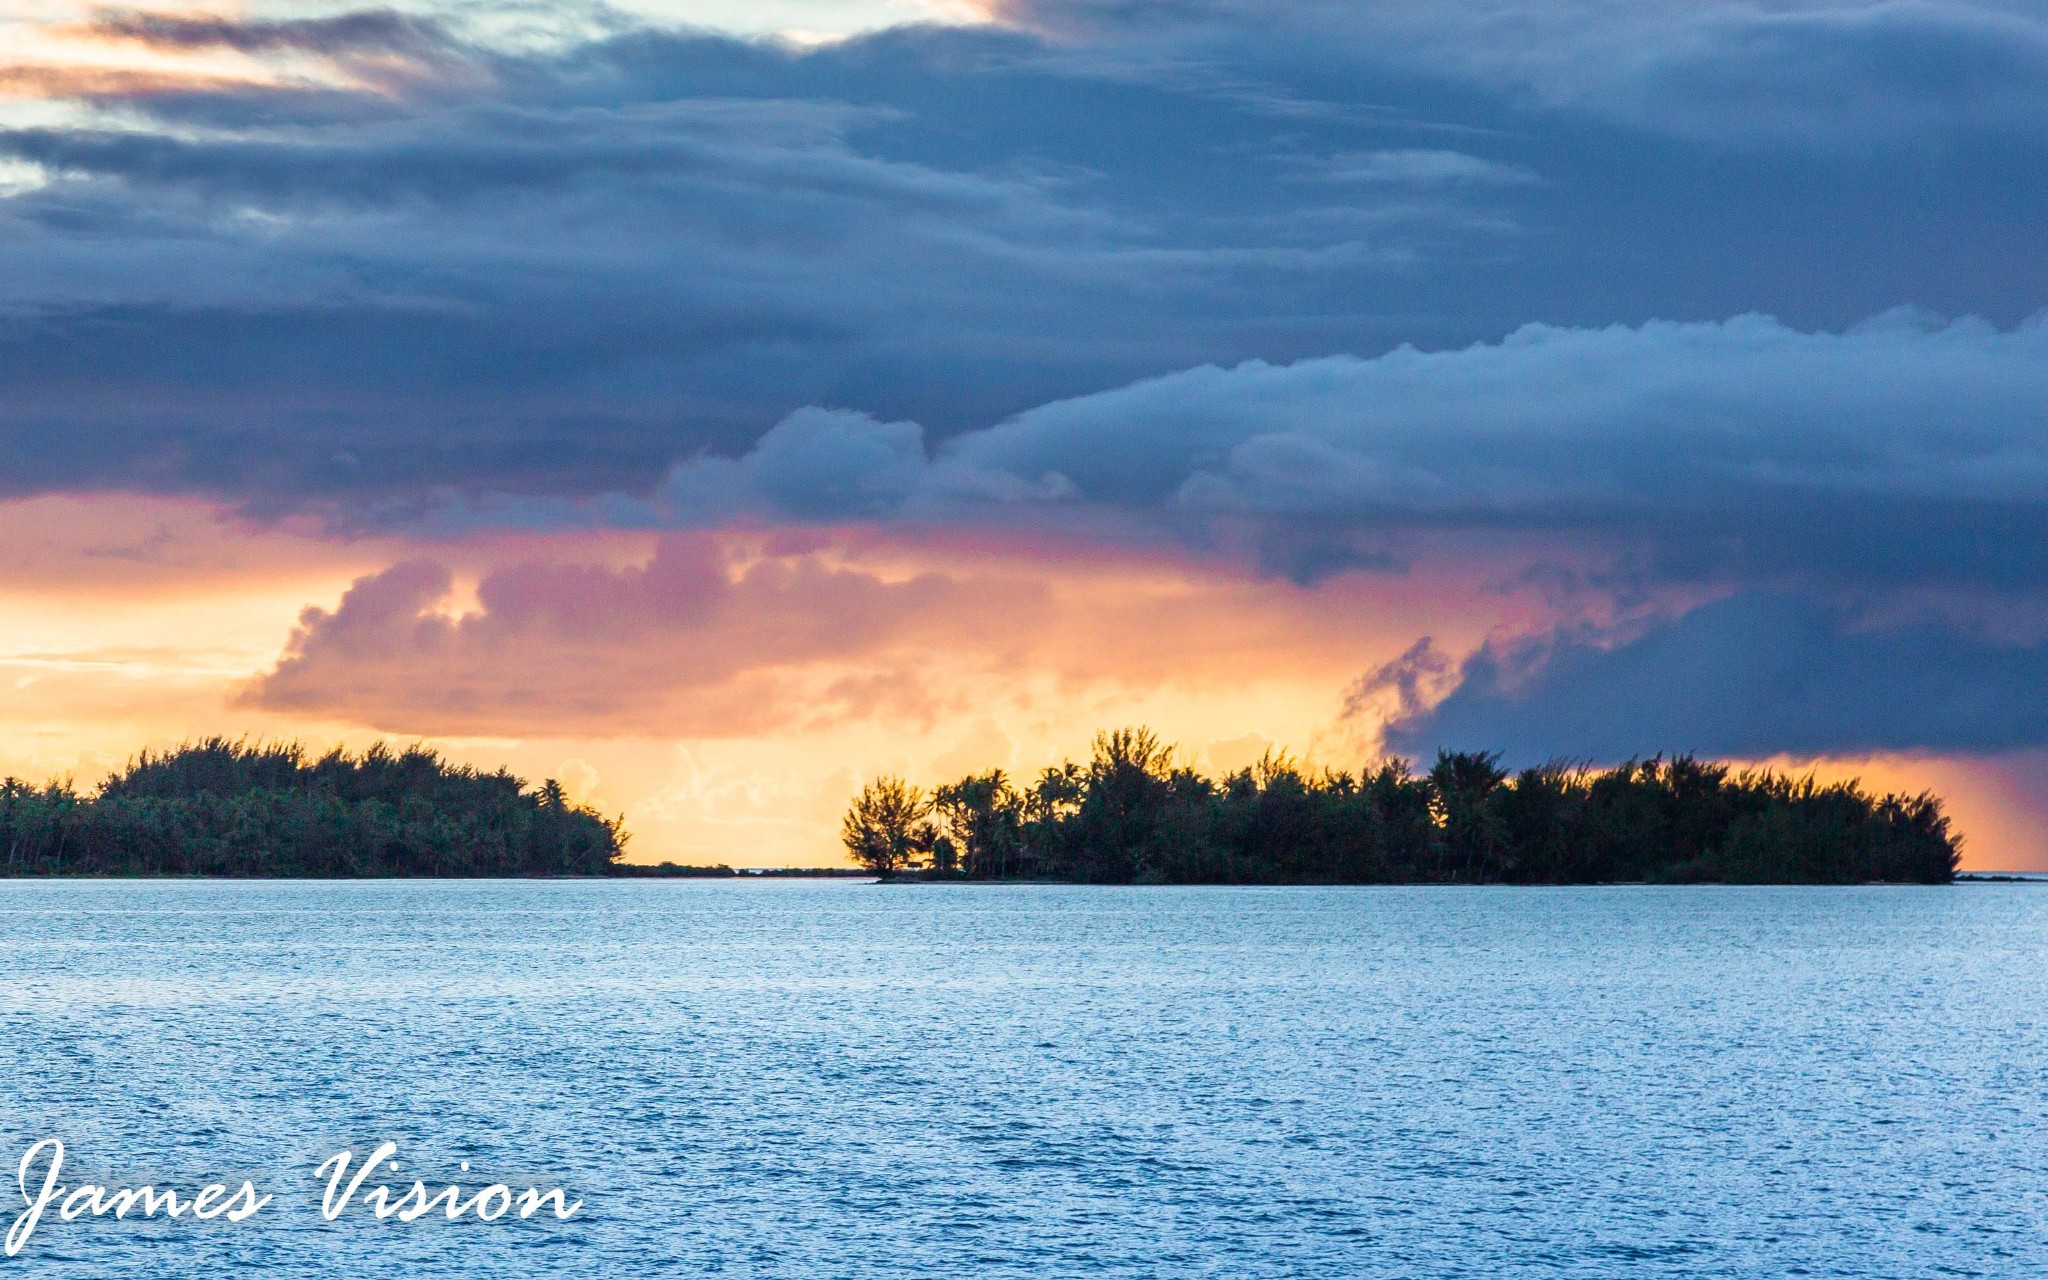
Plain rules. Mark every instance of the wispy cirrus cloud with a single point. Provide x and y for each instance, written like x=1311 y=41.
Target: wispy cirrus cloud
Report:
x=114 y=57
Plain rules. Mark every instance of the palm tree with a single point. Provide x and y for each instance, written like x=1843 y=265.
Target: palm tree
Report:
x=983 y=814
x=1475 y=839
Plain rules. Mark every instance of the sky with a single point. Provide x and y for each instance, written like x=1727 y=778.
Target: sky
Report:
x=715 y=405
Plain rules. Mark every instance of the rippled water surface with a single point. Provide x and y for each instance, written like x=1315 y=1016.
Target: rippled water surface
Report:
x=825 y=1079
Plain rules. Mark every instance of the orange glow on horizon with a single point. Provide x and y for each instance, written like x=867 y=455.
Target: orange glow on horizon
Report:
x=140 y=622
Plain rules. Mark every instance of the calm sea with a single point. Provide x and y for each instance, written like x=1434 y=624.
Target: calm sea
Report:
x=830 y=1079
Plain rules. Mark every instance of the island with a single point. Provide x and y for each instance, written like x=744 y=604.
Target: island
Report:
x=230 y=808
x=1131 y=814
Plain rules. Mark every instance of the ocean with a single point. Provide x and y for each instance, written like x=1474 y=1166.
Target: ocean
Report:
x=837 y=1079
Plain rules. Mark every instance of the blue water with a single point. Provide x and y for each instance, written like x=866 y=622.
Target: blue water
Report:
x=831 y=1079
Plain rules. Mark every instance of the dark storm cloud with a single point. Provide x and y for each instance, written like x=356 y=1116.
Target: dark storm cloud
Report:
x=1751 y=676
x=1902 y=460
x=367 y=31
x=554 y=273
x=1902 y=452
x=1800 y=71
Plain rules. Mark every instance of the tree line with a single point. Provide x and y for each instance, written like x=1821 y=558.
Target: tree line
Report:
x=1132 y=815
x=223 y=808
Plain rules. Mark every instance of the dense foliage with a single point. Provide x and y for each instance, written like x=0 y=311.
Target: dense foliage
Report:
x=225 y=808
x=1131 y=814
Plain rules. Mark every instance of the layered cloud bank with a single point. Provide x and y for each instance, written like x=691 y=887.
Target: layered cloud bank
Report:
x=1741 y=450
x=1800 y=72
x=339 y=263
x=1751 y=676
x=1885 y=489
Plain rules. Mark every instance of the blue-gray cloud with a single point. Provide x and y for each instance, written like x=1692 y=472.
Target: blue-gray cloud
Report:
x=1800 y=72
x=1901 y=452
x=1750 y=676
x=553 y=272
x=1835 y=482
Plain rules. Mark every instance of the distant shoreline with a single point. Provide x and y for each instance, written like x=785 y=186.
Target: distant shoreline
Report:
x=643 y=871
x=236 y=810
x=678 y=871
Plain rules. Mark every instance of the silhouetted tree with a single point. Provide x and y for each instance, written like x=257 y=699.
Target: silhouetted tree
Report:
x=1131 y=815
x=226 y=808
x=1123 y=803
x=886 y=829
x=1475 y=838
x=984 y=820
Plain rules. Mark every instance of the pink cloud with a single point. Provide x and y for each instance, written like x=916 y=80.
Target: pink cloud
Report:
x=743 y=635
x=701 y=640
